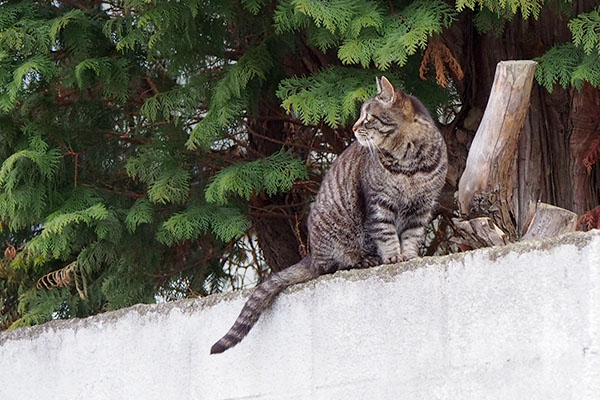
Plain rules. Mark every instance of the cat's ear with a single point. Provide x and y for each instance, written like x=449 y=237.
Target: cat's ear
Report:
x=378 y=80
x=386 y=92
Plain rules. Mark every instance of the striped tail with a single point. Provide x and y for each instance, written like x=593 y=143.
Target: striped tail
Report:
x=260 y=300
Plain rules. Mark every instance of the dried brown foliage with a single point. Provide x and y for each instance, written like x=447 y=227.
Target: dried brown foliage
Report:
x=443 y=60
x=593 y=156
x=10 y=252
x=590 y=220
x=65 y=277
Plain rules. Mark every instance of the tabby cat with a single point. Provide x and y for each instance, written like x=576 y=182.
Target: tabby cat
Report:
x=373 y=204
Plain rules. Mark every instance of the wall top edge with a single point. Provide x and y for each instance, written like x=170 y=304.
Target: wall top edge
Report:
x=385 y=272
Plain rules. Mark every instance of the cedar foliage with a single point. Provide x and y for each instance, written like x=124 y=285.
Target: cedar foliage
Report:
x=134 y=151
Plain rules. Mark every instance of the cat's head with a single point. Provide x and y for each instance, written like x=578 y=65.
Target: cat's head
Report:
x=388 y=117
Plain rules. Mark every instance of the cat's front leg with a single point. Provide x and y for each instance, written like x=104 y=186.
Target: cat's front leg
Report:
x=411 y=240
x=382 y=230
x=391 y=255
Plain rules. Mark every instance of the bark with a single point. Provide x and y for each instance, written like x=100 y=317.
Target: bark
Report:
x=276 y=238
x=585 y=120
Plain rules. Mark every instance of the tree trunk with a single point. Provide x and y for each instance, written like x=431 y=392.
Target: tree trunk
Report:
x=273 y=219
x=278 y=221
x=486 y=186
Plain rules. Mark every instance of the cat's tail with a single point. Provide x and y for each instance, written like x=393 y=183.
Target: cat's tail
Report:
x=260 y=300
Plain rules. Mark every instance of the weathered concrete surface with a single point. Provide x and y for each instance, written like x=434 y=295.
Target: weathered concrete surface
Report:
x=518 y=322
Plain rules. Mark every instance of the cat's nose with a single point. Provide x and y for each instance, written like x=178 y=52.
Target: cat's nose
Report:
x=355 y=127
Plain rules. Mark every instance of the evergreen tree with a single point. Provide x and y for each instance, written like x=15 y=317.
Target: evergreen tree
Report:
x=154 y=149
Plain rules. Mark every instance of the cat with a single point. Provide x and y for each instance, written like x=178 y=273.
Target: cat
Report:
x=373 y=203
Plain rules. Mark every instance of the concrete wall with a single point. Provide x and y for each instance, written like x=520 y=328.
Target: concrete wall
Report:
x=518 y=322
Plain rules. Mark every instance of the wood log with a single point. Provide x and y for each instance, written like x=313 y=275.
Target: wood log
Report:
x=486 y=186
x=479 y=232
x=549 y=221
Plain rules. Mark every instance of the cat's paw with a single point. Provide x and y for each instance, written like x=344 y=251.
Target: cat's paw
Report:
x=368 y=262
x=396 y=258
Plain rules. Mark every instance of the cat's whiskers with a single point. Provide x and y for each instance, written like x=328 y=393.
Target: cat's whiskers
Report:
x=373 y=148
x=370 y=146
x=377 y=147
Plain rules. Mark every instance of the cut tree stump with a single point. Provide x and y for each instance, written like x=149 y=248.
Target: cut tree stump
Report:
x=548 y=221
x=486 y=186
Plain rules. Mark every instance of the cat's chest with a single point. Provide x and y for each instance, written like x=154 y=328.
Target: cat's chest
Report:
x=396 y=187
x=401 y=194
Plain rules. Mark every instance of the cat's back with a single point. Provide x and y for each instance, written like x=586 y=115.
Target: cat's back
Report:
x=341 y=184
x=339 y=204
x=335 y=221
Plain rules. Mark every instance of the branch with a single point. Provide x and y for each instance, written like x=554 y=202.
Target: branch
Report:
x=270 y=139
x=126 y=138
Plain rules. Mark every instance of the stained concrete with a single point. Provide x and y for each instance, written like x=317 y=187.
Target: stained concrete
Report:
x=519 y=321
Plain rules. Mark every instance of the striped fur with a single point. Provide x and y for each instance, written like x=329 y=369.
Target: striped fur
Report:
x=373 y=204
